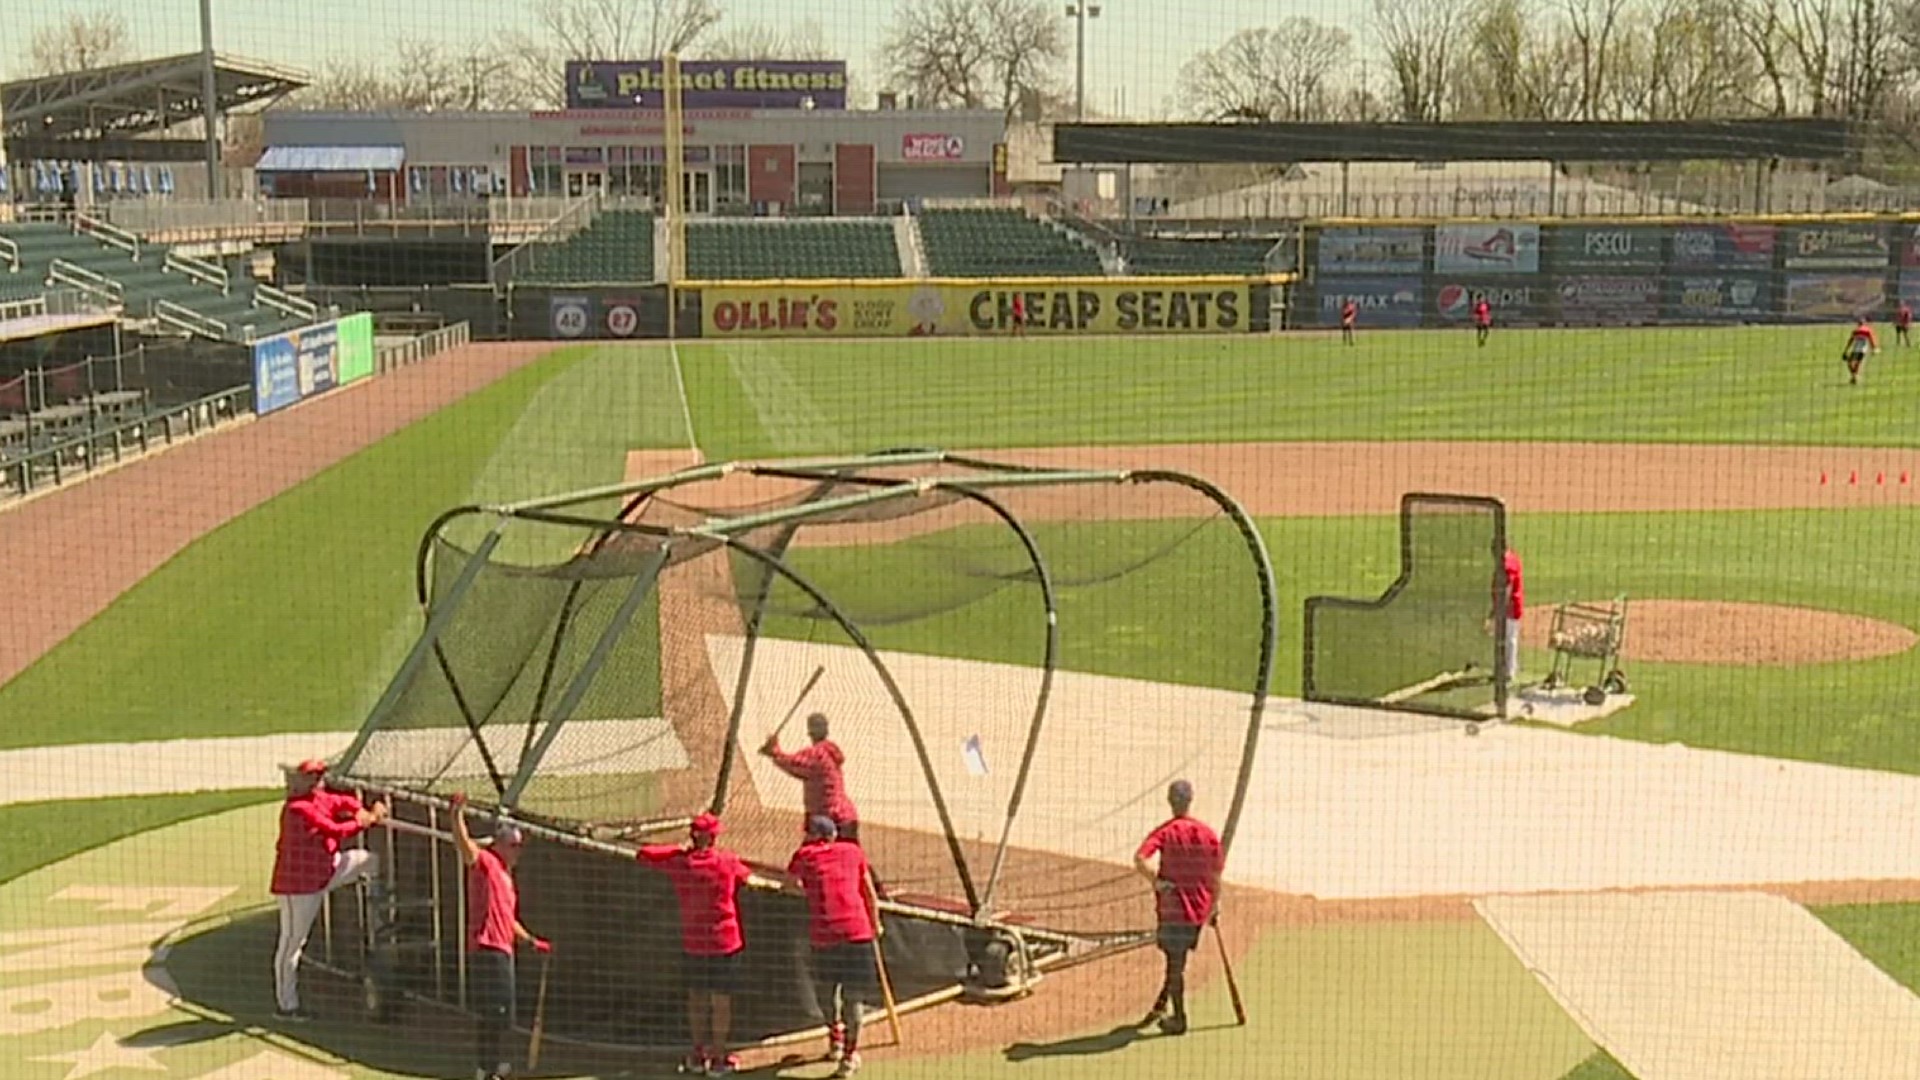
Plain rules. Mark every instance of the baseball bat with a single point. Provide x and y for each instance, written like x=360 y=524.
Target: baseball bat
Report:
x=540 y=1015
x=804 y=691
x=1233 y=984
x=880 y=963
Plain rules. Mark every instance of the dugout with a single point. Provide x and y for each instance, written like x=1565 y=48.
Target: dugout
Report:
x=599 y=666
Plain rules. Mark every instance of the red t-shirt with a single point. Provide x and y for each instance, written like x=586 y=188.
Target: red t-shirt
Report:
x=824 y=789
x=1865 y=333
x=1516 y=588
x=1189 y=859
x=1348 y=312
x=834 y=874
x=311 y=828
x=493 y=904
x=1482 y=314
x=708 y=884
x=1019 y=308
x=1903 y=317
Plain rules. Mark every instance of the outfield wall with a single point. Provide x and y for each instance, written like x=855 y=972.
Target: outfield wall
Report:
x=290 y=368
x=1615 y=273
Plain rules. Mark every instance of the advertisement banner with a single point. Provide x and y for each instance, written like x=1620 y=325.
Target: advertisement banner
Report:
x=1605 y=247
x=1381 y=301
x=940 y=309
x=1835 y=296
x=708 y=84
x=1495 y=248
x=1372 y=251
x=570 y=315
x=1747 y=298
x=1514 y=303
x=932 y=147
x=1723 y=247
x=1609 y=301
x=356 y=347
x=294 y=366
x=1852 y=246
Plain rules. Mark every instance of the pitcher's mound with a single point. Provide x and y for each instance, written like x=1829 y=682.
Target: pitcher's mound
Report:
x=1716 y=632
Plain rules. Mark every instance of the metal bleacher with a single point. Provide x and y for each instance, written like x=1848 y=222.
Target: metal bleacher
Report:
x=616 y=247
x=821 y=248
x=985 y=242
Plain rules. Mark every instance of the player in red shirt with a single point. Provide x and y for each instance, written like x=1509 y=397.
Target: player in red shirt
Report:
x=1349 y=314
x=818 y=768
x=1861 y=342
x=1019 y=314
x=843 y=928
x=707 y=881
x=1903 y=324
x=308 y=864
x=493 y=929
x=1186 y=886
x=1513 y=595
x=1482 y=320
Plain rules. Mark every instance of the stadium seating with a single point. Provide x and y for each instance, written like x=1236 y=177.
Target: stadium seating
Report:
x=143 y=283
x=617 y=247
x=1149 y=255
x=734 y=250
x=990 y=242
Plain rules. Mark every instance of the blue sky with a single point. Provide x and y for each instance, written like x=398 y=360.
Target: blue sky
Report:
x=1134 y=49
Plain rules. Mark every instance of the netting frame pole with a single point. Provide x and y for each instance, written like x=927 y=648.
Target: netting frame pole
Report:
x=437 y=619
x=1269 y=633
x=644 y=584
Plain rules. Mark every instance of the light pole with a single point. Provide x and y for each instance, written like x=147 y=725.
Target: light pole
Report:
x=1080 y=12
x=210 y=93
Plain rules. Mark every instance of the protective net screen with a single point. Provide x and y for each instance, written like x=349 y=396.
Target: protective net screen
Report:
x=1431 y=642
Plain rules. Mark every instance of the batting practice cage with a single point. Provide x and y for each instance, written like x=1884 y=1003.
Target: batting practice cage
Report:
x=1016 y=662
x=1436 y=640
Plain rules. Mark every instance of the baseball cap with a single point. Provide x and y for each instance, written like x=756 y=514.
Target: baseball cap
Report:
x=1180 y=791
x=706 y=823
x=310 y=767
x=821 y=827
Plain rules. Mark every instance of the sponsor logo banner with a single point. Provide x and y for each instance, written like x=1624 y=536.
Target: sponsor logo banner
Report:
x=708 y=84
x=1381 y=301
x=356 y=347
x=1372 y=251
x=937 y=309
x=1610 y=301
x=1580 y=247
x=1496 y=248
x=1720 y=299
x=1513 y=303
x=294 y=366
x=932 y=147
x=1858 y=246
x=1834 y=296
x=1724 y=247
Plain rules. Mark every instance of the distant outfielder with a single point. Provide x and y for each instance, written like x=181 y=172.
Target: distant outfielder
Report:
x=818 y=768
x=1482 y=320
x=1349 y=314
x=1903 y=324
x=493 y=930
x=1186 y=886
x=1861 y=343
x=308 y=864
x=707 y=882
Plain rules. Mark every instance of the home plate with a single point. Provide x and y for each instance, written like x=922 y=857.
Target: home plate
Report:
x=1713 y=985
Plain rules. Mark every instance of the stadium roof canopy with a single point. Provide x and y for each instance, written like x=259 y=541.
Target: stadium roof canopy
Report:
x=93 y=113
x=1263 y=143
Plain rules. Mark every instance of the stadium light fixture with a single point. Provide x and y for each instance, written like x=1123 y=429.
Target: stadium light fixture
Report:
x=1080 y=13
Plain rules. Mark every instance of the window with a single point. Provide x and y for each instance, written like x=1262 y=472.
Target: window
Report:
x=816 y=188
x=548 y=174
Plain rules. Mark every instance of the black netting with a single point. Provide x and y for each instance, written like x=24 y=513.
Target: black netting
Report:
x=1430 y=643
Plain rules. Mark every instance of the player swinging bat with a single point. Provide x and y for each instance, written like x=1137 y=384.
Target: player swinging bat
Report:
x=818 y=768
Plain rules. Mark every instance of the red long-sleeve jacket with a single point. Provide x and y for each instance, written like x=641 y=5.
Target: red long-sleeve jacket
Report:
x=311 y=829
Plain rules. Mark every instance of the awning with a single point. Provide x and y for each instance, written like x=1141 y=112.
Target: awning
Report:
x=331 y=159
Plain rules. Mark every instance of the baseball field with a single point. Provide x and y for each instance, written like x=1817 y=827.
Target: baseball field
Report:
x=1715 y=880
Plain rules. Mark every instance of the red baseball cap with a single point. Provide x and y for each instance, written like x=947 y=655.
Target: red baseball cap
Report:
x=311 y=767
x=706 y=823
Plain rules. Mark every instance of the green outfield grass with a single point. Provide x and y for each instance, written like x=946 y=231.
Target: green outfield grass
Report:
x=1729 y=385
x=44 y=833
x=293 y=616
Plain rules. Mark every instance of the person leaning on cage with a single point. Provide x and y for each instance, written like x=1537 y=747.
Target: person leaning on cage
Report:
x=493 y=930
x=819 y=767
x=1186 y=886
x=308 y=864
x=706 y=880
x=843 y=929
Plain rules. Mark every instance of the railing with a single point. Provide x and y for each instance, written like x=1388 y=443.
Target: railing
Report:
x=73 y=459
x=285 y=302
x=422 y=347
x=23 y=309
x=181 y=219
x=108 y=234
x=79 y=277
x=193 y=322
x=57 y=302
x=10 y=254
x=200 y=270
x=577 y=217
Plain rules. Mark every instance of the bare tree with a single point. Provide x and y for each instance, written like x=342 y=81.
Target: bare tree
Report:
x=1763 y=28
x=767 y=41
x=1418 y=38
x=1686 y=61
x=1868 y=64
x=1292 y=72
x=420 y=76
x=1809 y=34
x=975 y=53
x=600 y=30
x=1595 y=27
x=1514 y=66
x=81 y=41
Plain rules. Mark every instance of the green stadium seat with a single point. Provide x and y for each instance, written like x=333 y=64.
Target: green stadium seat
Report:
x=1002 y=243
